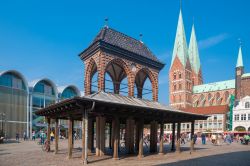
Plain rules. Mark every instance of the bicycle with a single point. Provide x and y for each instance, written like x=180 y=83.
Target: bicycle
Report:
x=46 y=146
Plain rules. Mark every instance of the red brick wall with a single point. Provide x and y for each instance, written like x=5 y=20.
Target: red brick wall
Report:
x=245 y=87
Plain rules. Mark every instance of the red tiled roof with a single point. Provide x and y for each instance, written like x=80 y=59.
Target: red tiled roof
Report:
x=221 y=109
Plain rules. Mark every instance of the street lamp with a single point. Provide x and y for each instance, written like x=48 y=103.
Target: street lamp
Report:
x=2 y=114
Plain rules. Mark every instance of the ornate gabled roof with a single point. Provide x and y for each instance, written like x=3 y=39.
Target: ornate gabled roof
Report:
x=180 y=45
x=239 y=60
x=113 y=40
x=215 y=86
x=194 y=52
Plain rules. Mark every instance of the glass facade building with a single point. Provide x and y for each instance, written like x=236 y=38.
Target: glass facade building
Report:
x=20 y=99
x=43 y=92
x=13 y=103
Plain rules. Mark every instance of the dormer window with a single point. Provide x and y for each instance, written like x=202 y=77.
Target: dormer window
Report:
x=247 y=105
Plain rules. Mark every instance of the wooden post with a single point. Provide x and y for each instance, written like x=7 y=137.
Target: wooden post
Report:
x=153 y=136
x=178 y=143
x=173 y=137
x=48 y=133
x=110 y=135
x=192 y=137
x=137 y=136
x=83 y=136
x=132 y=137
x=140 y=133
x=102 y=135
x=56 y=136
x=70 y=147
x=73 y=133
x=90 y=135
x=86 y=137
x=116 y=138
x=97 y=130
x=127 y=135
x=161 y=148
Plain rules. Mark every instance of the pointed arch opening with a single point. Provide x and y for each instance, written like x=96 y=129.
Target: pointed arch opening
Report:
x=116 y=77
x=144 y=84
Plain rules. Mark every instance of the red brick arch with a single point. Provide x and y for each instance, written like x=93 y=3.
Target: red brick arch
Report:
x=153 y=79
x=127 y=70
x=89 y=72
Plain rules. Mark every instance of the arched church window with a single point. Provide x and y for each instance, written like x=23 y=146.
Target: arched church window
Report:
x=179 y=75
x=247 y=105
x=174 y=76
x=180 y=86
x=174 y=87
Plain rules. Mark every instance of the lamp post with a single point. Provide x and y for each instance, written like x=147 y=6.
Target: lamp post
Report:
x=2 y=114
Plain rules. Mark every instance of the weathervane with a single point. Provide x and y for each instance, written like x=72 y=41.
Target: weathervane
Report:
x=106 y=22
x=140 y=37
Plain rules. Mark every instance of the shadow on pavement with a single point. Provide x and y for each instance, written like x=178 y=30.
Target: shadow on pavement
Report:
x=227 y=159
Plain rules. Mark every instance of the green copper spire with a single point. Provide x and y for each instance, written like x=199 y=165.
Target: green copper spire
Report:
x=194 y=52
x=180 y=44
x=239 y=60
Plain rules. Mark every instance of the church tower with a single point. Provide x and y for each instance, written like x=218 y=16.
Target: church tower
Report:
x=180 y=73
x=239 y=71
x=195 y=59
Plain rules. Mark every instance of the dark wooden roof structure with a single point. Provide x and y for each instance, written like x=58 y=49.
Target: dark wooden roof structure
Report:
x=110 y=104
x=122 y=45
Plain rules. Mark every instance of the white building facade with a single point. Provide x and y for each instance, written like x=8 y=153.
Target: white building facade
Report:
x=241 y=115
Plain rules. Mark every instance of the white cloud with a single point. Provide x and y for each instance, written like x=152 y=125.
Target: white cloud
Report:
x=214 y=40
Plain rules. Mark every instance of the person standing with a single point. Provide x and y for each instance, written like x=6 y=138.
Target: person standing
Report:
x=33 y=136
x=24 y=136
x=203 y=138
x=52 y=136
x=17 y=137
x=195 y=138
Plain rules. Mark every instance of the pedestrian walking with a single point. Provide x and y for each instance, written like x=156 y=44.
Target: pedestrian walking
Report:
x=24 y=136
x=17 y=137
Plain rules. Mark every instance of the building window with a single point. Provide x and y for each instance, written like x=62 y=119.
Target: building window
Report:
x=243 y=117
x=200 y=126
x=187 y=126
x=179 y=75
x=215 y=117
x=175 y=87
x=236 y=117
x=174 y=76
x=180 y=86
x=248 y=116
x=247 y=105
x=183 y=126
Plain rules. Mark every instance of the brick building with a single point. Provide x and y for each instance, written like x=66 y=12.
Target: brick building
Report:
x=186 y=88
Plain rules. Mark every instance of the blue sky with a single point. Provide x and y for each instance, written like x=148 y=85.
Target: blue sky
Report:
x=43 y=38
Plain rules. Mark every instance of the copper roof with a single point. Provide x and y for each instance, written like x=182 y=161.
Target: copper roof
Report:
x=220 y=109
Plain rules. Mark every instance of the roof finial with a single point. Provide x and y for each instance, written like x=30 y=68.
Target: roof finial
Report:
x=106 y=22
x=141 y=35
x=240 y=42
x=180 y=5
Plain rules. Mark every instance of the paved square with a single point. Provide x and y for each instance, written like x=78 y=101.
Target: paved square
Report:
x=29 y=153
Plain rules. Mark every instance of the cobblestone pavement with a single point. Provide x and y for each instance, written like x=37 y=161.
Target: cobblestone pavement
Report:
x=29 y=153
